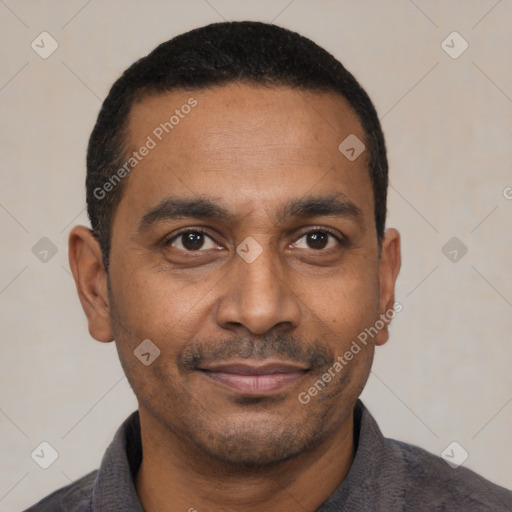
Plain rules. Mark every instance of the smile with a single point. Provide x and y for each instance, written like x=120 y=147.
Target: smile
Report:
x=255 y=379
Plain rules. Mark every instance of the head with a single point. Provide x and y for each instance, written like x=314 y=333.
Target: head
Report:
x=222 y=53
x=229 y=229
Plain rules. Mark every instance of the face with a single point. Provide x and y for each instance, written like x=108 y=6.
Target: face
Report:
x=244 y=247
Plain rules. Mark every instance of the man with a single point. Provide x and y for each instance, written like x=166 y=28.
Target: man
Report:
x=236 y=187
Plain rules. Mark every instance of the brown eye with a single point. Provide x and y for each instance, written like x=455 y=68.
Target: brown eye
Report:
x=191 y=241
x=317 y=240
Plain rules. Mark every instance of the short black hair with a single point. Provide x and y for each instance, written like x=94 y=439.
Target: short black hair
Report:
x=247 y=52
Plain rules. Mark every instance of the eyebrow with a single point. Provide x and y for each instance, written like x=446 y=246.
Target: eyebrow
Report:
x=173 y=208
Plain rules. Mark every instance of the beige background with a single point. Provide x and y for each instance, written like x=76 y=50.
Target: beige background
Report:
x=444 y=376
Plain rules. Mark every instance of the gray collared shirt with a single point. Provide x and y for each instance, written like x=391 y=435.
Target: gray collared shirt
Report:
x=386 y=475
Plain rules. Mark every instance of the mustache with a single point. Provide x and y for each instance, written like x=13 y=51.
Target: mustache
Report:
x=280 y=346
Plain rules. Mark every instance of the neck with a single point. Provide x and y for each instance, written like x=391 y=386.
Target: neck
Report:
x=174 y=478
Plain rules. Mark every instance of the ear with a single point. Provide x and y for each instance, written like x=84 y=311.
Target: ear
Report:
x=389 y=266
x=86 y=262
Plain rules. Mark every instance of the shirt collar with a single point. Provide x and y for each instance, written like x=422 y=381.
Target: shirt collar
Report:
x=375 y=476
x=114 y=488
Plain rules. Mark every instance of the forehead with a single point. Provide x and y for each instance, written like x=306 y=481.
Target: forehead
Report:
x=244 y=145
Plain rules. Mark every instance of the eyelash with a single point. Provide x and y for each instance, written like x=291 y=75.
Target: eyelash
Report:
x=342 y=240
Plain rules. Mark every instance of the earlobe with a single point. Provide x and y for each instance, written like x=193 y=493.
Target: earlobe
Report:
x=86 y=262
x=389 y=267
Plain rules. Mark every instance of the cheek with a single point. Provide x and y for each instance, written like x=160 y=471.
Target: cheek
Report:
x=151 y=307
x=345 y=304
x=157 y=306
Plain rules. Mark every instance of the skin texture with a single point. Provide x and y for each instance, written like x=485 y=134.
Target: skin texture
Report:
x=302 y=300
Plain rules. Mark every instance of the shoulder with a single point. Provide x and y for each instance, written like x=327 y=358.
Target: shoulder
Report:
x=75 y=497
x=429 y=479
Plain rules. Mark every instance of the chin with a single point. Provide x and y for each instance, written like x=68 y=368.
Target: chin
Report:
x=258 y=444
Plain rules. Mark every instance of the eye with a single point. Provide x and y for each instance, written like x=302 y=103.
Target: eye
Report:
x=192 y=240
x=317 y=240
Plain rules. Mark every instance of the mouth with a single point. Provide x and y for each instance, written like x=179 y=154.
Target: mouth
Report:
x=255 y=378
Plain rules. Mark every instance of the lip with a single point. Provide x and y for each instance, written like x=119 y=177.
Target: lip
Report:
x=255 y=378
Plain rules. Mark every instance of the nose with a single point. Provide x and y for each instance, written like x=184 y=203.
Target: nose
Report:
x=258 y=296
